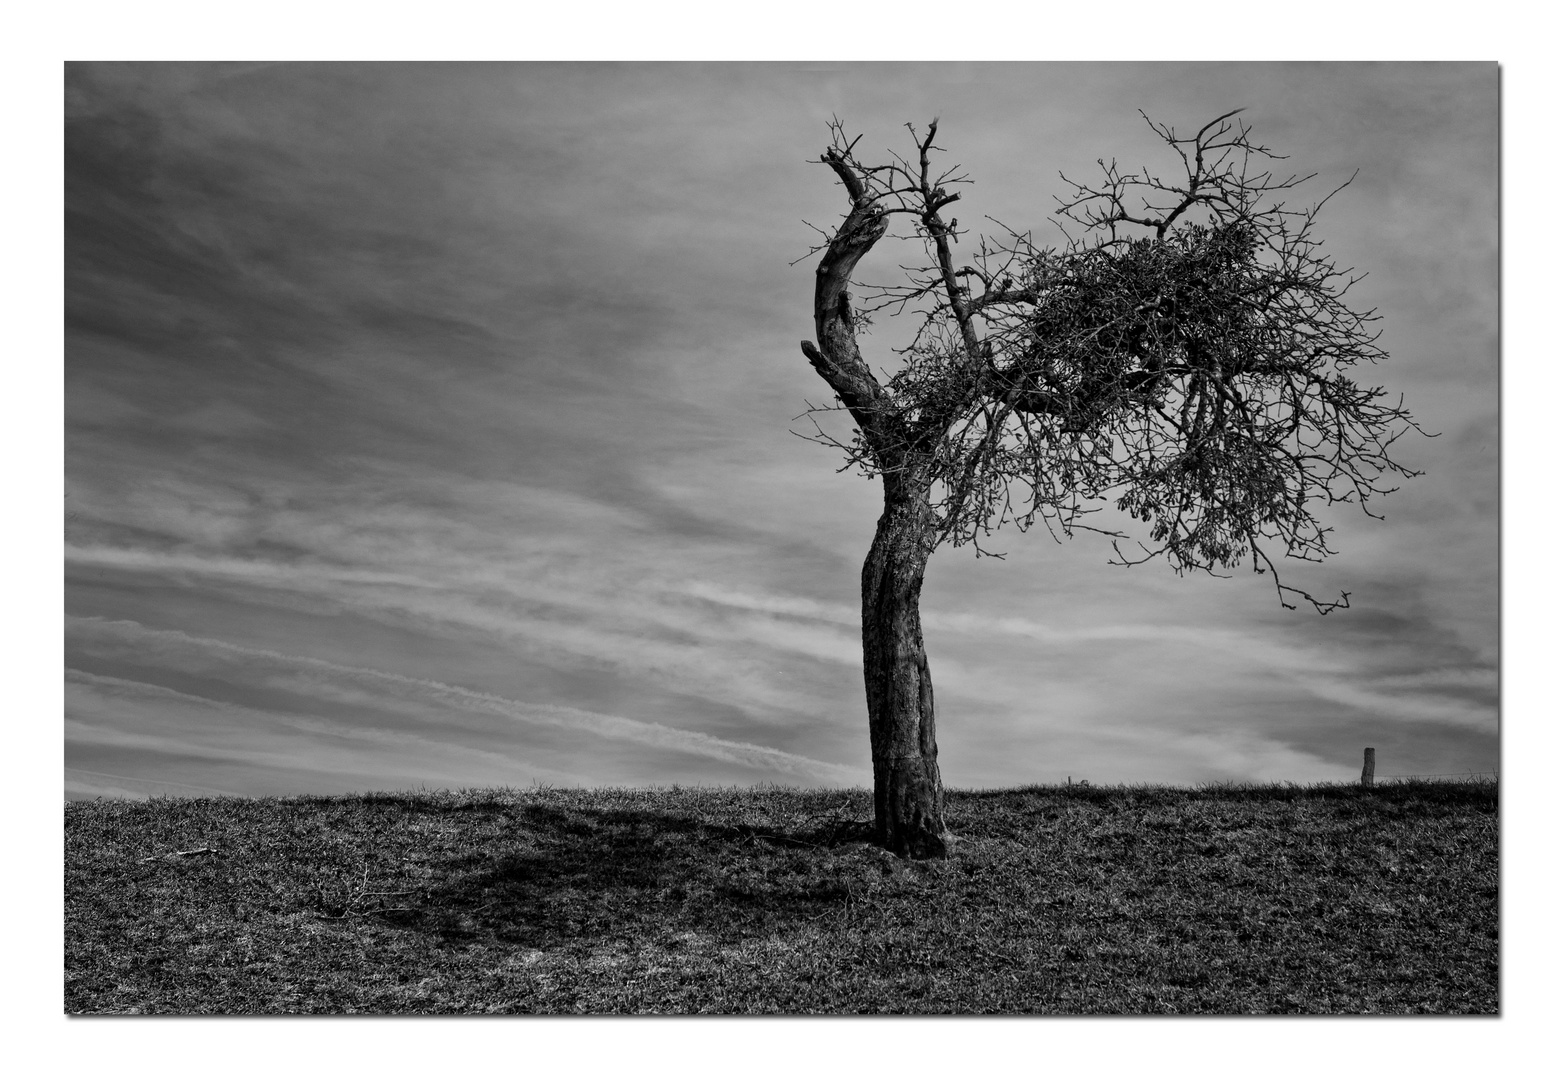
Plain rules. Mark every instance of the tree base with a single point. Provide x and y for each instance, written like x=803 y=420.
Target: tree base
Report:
x=908 y=811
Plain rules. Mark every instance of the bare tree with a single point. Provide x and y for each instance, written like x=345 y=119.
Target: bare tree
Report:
x=1185 y=358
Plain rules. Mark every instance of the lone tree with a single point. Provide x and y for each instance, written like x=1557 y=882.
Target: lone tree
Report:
x=1185 y=357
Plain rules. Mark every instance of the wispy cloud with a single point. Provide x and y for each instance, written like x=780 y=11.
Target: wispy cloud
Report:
x=87 y=784
x=433 y=703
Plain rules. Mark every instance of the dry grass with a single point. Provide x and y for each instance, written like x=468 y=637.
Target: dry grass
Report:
x=1057 y=901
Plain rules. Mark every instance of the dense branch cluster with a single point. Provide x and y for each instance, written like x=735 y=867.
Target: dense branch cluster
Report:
x=1187 y=357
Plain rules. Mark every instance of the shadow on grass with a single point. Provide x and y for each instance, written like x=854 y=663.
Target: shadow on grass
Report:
x=561 y=871
x=546 y=877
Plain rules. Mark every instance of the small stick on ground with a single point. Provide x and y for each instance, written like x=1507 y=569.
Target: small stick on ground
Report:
x=182 y=854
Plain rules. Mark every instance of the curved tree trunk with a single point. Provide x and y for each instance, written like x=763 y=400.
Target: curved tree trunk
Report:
x=907 y=799
x=907 y=787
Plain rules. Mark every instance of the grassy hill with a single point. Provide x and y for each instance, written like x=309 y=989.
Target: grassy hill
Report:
x=1129 y=900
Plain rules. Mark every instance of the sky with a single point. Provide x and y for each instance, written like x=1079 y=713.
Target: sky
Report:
x=433 y=426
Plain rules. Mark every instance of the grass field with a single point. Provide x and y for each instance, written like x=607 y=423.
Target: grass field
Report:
x=1080 y=900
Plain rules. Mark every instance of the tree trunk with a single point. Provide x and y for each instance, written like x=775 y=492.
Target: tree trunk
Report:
x=907 y=787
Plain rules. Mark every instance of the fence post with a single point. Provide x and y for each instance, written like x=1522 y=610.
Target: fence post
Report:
x=1368 y=774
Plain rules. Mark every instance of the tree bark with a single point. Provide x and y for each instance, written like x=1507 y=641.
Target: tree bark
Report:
x=907 y=786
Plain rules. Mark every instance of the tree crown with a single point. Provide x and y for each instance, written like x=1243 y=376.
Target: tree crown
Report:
x=1186 y=357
